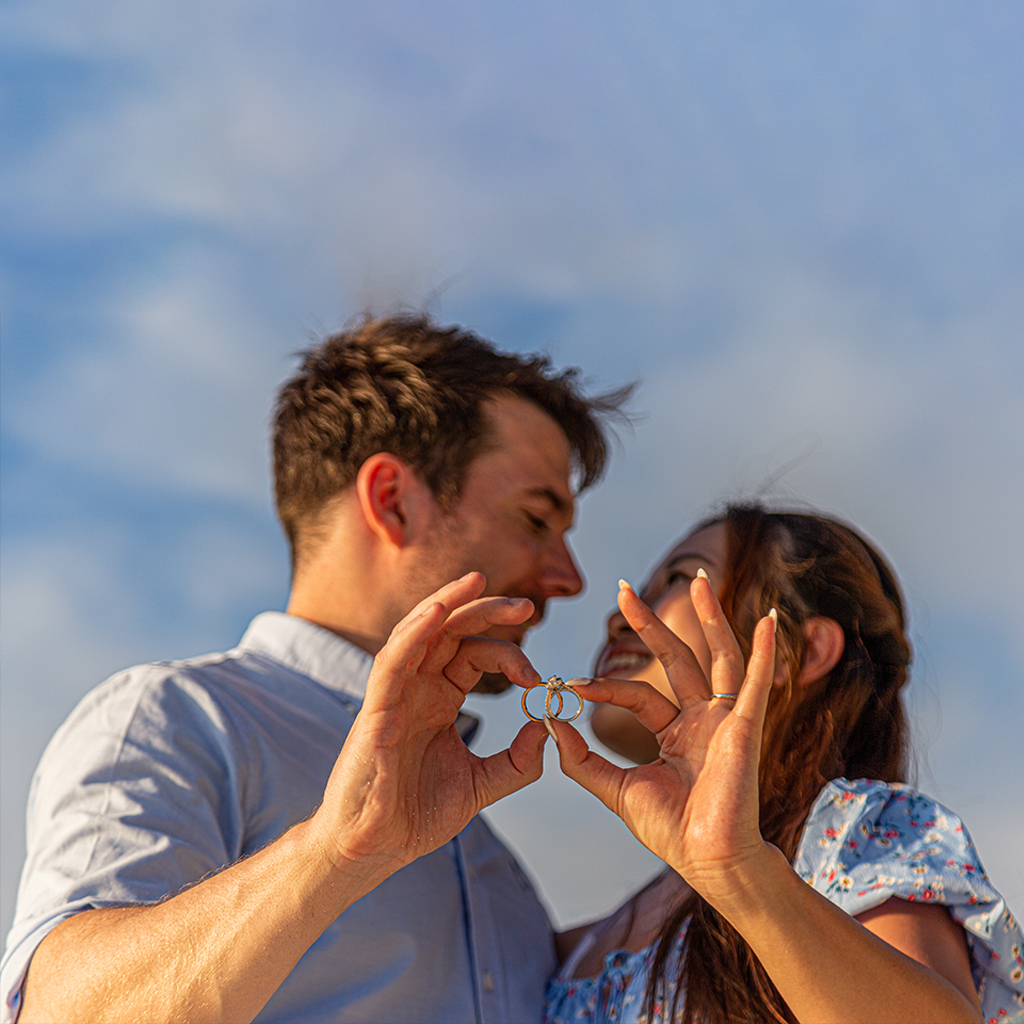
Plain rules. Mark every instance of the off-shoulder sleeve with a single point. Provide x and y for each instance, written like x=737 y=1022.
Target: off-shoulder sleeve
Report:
x=867 y=841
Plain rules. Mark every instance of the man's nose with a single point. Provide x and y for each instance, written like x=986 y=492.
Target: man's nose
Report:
x=562 y=577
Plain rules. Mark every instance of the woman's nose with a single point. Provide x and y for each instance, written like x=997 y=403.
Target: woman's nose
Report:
x=617 y=625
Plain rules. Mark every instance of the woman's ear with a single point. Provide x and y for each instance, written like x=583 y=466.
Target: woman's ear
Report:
x=824 y=642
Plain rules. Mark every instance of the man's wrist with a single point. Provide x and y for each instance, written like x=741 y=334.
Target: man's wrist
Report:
x=337 y=877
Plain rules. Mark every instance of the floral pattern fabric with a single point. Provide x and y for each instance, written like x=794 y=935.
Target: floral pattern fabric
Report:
x=863 y=843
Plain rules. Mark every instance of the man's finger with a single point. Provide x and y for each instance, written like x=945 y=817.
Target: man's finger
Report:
x=473 y=618
x=476 y=655
x=510 y=770
x=452 y=595
x=403 y=652
x=409 y=642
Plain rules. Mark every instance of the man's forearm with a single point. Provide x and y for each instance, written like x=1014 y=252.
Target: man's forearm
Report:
x=215 y=952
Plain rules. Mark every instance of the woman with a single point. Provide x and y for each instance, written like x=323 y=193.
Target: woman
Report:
x=744 y=793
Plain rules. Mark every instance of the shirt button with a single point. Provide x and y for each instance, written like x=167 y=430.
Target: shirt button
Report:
x=488 y=981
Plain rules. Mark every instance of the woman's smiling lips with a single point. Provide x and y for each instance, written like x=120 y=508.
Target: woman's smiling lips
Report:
x=617 y=660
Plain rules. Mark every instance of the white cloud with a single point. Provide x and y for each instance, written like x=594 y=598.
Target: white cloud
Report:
x=174 y=392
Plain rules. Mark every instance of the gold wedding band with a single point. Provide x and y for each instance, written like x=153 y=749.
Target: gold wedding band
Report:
x=555 y=688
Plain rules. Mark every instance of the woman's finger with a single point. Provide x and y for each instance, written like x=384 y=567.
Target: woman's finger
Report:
x=595 y=774
x=757 y=687
x=727 y=665
x=681 y=666
x=652 y=709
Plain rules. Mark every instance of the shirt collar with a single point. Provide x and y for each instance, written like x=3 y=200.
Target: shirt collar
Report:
x=323 y=656
x=316 y=652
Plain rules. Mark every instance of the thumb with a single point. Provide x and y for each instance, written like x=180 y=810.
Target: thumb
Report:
x=510 y=770
x=593 y=772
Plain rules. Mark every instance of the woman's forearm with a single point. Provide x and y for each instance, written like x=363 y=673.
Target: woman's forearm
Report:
x=826 y=965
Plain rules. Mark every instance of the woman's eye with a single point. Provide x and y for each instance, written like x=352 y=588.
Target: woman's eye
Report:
x=678 y=576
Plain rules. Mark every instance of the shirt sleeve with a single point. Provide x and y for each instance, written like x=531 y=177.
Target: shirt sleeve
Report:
x=866 y=841
x=136 y=797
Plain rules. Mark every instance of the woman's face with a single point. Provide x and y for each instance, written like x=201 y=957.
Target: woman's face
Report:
x=625 y=656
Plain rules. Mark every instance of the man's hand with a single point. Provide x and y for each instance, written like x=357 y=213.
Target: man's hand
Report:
x=405 y=782
x=403 y=785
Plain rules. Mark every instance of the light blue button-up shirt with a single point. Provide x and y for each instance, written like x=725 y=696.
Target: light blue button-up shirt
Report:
x=169 y=771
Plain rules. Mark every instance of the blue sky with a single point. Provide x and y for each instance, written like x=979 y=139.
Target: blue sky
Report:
x=800 y=225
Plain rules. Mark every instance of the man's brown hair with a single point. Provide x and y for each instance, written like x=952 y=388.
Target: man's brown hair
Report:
x=405 y=385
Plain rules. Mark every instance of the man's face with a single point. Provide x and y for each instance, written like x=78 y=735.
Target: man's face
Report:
x=511 y=518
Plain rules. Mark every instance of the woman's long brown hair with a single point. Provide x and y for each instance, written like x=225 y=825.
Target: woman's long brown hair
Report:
x=849 y=724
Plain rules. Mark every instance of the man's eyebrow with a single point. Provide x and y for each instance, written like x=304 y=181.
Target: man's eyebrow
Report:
x=558 y=503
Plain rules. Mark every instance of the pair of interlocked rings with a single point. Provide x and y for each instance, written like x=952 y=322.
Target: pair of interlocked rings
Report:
x=555 y=689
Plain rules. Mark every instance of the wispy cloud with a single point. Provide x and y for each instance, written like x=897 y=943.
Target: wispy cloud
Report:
x=802 y=230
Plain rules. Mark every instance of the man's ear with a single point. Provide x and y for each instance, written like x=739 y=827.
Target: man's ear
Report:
x=824 y=642
x=389 y=494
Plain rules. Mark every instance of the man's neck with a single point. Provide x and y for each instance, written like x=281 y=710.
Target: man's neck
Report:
x=364 y=640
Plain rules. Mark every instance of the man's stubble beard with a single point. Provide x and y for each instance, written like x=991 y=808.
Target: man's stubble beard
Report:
x=492 y=683
x=441 y=568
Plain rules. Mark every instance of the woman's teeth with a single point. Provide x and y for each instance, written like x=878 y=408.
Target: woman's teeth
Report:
x=624 y=661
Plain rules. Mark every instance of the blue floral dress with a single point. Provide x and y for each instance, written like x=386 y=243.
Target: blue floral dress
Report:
x=863 y=843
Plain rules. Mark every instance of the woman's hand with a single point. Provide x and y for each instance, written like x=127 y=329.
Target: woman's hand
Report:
x=696 y=806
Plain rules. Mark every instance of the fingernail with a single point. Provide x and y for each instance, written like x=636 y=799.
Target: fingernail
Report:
x=703 y=575
x=774 y=616
x=578 y=682
x=551 y=729
x=625 y=585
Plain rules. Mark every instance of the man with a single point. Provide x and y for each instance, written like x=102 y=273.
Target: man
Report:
x=198 y=850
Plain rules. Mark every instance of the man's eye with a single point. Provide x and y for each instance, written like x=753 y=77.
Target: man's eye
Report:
x=536 y=523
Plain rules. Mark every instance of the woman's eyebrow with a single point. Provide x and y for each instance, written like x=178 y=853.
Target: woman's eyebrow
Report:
x=691 y=556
